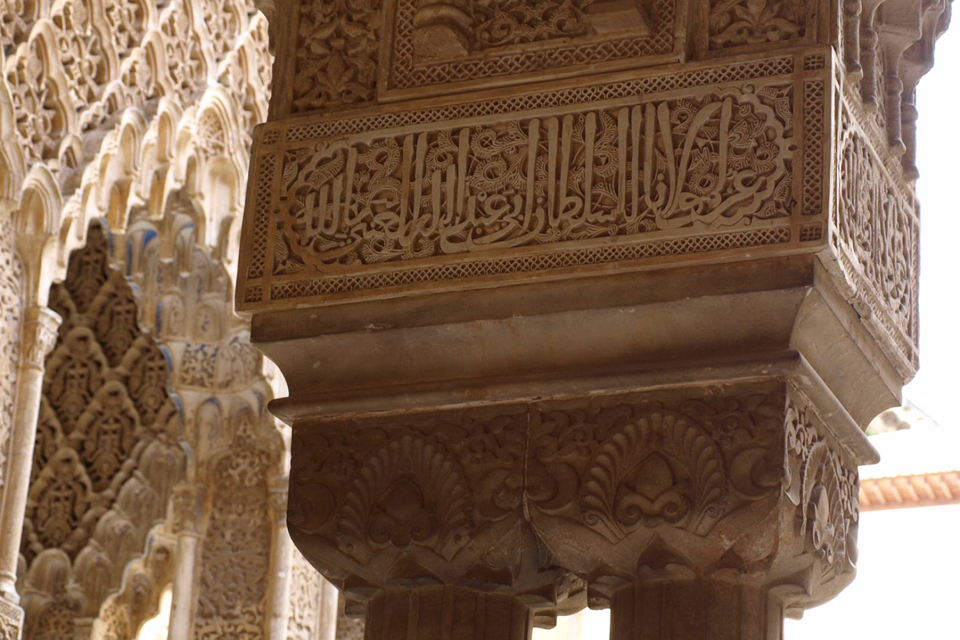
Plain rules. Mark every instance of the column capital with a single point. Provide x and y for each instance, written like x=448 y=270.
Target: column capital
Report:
x=739 y=489
x=188 y=504
x=278 y=487
x=40 y=326
x=432 y=503
x=739 y=485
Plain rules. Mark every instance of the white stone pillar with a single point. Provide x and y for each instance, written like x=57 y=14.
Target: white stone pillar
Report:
x=281 y=557
x=188 y=503
x=39 y=336
x=329 y=600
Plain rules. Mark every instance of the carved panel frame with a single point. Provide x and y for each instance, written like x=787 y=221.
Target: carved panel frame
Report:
x=801 y=230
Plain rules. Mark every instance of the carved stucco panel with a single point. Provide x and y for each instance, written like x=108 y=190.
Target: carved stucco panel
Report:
x=11 y=312
x=105 y=456
x=457 y=199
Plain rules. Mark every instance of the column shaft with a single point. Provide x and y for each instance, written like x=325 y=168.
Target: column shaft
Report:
x=181 y=607
x=39 y=335
x=446 y=613
x=188 y=507
x=695 y=610
x=278 y=604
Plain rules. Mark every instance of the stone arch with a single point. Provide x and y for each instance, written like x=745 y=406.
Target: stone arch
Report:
x=12 y=164
x=124 y=613
x=40 y=96
x=118 y=168
x=135 y=126
x=109 y=444
x=35 y=224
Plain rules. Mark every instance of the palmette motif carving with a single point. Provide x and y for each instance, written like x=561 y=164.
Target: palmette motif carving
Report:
x=726 y=483
x=710 y=484
x=337 y=52
x=634 y=467
x=419 y=501
x=743 y=22
x=719 y=161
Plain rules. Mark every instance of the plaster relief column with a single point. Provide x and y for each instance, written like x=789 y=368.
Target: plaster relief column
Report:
x=188 y=502
x=593 y=312
x=39 y=336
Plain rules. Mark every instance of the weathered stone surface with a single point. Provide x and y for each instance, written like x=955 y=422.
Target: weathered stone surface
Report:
x=617 y=283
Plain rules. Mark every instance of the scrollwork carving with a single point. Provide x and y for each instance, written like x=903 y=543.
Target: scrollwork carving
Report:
x=522 y=21
x=104 y=452
x=744 y=22
x=236 y=546
x=337 y=53
x=11 y=315
x=718 y=161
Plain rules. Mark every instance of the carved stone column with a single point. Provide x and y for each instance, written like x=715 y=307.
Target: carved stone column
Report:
x=588 y=302
x=39 y=336
x=188 y=502
x=281 y=556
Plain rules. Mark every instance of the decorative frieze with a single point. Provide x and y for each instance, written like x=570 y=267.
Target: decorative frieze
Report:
x=459 y=198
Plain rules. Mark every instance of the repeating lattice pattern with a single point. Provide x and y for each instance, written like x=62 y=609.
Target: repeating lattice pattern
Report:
x=813 y=62
x=813 y=106
x=532 y=263
x=407 y=73
x=653 y=84
x=811 y=232
x=261 y=216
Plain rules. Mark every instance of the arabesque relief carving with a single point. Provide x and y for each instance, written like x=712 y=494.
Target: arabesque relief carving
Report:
x=106 y=452
x=114 y=111
x=720 y=165
x=876 y=232
x=663 y=485
x=651 y=474
x=749 y=22
x=236 y=550
x=429 y=501
x=11 y=314
x=440 y=44
x=714 y=161
x=612 y=241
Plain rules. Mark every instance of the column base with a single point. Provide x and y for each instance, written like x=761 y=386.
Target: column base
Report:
x=695 y=610
x=443 y=613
